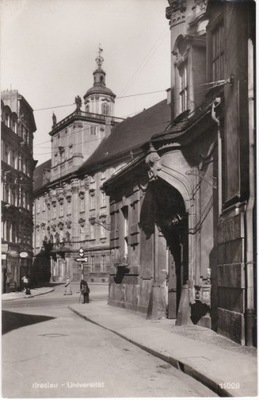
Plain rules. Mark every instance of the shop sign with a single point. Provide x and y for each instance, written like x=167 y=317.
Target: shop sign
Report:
x=13 y=253
x=24 y=254
x=4 y=247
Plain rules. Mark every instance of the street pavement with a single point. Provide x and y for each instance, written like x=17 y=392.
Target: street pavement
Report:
x=22 y=295
x=49 y=352
x=218 y=363
x=222 y=365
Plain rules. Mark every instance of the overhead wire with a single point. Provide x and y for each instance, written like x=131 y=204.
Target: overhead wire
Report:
x=144 y=62
x=201 y=86
x=95 y=101
x=86 y=141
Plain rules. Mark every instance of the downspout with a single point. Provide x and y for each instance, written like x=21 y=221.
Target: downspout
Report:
x=213 y=116
x=250 y=305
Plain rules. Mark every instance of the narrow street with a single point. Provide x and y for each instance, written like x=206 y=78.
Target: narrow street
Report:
x=48 y=351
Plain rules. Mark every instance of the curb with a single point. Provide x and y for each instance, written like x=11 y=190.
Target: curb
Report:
x=185 y=368
x=33 y=295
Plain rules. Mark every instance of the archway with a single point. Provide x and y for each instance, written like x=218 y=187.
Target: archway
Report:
x=172 y=220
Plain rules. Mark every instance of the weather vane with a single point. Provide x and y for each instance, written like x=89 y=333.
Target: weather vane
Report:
x=99 y=59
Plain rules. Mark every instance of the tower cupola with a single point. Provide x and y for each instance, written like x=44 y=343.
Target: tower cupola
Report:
x=99 y=99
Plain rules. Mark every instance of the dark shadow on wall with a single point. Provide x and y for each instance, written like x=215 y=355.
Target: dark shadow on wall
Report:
x=148 y=212
x=121 y=271
x=198 y=310
x=12 y=320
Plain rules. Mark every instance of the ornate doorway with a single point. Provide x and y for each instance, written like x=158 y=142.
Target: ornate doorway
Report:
x=173 y=224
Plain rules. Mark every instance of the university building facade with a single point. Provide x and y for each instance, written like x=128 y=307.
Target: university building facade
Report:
x=70 y=210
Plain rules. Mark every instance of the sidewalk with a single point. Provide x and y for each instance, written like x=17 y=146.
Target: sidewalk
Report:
x=21 y=295
x=220 y=364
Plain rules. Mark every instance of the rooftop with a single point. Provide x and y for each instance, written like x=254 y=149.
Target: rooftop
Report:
x=130 y=134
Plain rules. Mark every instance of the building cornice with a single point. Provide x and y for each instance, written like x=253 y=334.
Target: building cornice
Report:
x=79 y=115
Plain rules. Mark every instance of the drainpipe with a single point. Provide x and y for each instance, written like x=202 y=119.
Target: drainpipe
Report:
x=249 y=214
x=213 y=116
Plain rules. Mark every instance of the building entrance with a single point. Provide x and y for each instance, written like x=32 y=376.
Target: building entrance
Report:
x=173 y=224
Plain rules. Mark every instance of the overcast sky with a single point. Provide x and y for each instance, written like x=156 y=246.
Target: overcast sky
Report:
x=48 y=51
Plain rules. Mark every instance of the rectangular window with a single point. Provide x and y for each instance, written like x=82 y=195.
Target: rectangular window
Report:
x=183 y=75
x=61 y=210
x=92 y=200
x=19 y=197
x=4 y=230
x=92 y=232
x=102 y=232
x=38 y=206
x=13 y=197
x=71 y=151
x=82 y=234
x=23 y=199
x=93 y=130
x=218 y=53
x=28 y=201
x=103 y=199
x=7 y=155
x=69 y=208
x=82 y=204
x=103 y=263
x=56 y=160
x=63 y=155
x=125 y=213
x=24 y=166
x=92 y=264
x=9 y=195
x=28 y=168
x=19 y=162
x=14 y=233
x=14 y=160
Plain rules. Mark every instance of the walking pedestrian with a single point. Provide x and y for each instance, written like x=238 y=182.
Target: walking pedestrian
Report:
x=26 y=286
x=84 y=288
x=68 y=290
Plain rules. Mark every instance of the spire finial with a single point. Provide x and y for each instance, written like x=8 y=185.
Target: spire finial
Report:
x=99 y=59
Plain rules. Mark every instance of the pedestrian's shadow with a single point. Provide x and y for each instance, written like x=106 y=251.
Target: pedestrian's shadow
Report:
x=12 y=320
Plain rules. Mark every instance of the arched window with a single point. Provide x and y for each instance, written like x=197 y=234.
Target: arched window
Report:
x=181 y=52
x=105 y=109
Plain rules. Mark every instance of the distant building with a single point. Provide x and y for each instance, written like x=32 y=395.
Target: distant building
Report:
x=183 y=211
x=65 y=202
x=17 y=163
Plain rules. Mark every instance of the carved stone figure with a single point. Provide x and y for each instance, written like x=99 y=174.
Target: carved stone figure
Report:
x=54 y=119
x=153 y=162
x=78 y=102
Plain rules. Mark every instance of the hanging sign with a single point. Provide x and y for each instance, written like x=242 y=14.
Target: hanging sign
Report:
x=24 y=254
x=82 y=259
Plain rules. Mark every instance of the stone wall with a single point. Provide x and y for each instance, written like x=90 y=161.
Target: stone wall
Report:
x=231 y=277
